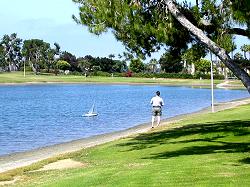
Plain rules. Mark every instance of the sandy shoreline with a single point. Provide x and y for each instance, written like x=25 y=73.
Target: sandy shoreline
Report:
x=16 y=160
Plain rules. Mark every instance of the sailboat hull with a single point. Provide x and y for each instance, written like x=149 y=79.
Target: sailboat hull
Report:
x=90 y=114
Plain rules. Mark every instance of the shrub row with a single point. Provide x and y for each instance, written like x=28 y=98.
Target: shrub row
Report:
x=158 y=75
x=146 y=75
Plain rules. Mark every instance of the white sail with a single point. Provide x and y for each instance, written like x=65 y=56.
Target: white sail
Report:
x=91 y=112
x=92 y=109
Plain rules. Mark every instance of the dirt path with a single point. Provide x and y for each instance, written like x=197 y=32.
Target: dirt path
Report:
x=26 y=158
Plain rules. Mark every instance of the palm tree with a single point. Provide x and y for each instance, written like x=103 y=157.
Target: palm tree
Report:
x=85 y=66
x=153 y=65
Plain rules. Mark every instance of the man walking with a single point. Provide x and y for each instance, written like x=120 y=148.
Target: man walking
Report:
x=157 y=103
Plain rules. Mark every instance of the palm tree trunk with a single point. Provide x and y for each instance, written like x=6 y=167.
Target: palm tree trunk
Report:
x=220 y=52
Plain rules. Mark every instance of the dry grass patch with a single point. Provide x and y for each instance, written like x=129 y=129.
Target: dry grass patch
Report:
x=63 y=164
x=226 y=174
x=10 y=182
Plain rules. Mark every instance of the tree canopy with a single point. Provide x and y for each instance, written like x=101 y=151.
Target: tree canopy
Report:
x=171 y=61
x=11 y=51
x=136 y=65
x=144 y=26
x=41 y=57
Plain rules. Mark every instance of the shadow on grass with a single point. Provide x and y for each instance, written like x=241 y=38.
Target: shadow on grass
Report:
x=245 y=160
x=210 y=139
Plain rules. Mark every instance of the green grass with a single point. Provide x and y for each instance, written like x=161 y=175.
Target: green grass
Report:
x=201 y=150
x=17 y=77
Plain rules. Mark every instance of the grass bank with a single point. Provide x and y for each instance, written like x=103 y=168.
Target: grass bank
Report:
x=17 y=77
x=201 y=150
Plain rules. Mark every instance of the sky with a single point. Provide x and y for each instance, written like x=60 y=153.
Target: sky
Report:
x=51 y=21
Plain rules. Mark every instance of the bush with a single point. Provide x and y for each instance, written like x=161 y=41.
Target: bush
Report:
x=118 y=74
x=75 y=73
x=46 y=71
x=158 y=75
x=128 y=74
x=220 y=77
x=164 y=75
x=27 y=68
x=101 y=74
x=63 y=65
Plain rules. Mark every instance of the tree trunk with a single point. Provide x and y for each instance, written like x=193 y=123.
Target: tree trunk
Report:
x=32 y=67
x=220 y=52
x=36 y=64
x=48 y=68
x=9 y=64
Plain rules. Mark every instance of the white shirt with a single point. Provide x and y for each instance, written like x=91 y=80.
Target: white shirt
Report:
x=157 y=101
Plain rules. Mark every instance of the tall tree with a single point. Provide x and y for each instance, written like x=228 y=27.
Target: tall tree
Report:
x=171 y=61
x=152 y=65
x=71 y=59
x=119 y=66
x=146 y=25
x=3 y=63
x=203 y=66
x=193 y=54
x=50 y=56
x=35 y=52
x=85 y=66
x=12 y=51
x=242 y=61
x=46 y=57
x=136 y=65
x=105 y=64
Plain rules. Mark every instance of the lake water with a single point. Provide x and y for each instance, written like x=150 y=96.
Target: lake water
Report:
x=33 y=116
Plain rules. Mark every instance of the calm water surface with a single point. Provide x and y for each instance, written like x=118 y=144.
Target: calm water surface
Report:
x=33 y=116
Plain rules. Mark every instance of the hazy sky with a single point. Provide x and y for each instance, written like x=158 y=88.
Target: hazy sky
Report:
x=51 y=20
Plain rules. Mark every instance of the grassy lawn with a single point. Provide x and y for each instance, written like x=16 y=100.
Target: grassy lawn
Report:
x=201 y=150
x=17 y=77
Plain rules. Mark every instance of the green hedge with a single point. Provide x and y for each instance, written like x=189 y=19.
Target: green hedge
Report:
x=177 y=75
x=163 y=75
x=101 y=74
x=159 y=75
x=77 y=73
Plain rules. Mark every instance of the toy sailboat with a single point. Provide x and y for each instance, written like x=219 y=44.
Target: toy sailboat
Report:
x=91 y=112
